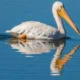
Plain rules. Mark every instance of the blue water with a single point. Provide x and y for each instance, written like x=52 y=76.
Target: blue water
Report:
x=16 y=63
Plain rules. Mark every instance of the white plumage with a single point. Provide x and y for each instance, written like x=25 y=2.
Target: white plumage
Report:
x=37 y=30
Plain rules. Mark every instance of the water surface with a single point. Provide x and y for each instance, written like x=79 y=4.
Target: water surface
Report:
x=35 y=59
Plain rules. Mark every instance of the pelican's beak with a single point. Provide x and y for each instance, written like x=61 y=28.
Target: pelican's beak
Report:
x=64 y=15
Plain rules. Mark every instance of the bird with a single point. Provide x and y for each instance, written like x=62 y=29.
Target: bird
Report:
x=39 y=30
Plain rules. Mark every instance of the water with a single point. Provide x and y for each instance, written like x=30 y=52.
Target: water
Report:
x=35 y=60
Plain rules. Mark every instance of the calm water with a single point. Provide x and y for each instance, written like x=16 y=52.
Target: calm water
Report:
x=38 y=60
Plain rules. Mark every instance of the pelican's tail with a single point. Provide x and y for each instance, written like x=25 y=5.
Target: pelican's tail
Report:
x=14 y=34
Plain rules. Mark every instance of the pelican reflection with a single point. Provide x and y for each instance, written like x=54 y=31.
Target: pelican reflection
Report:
x=58 y=63
x=31 y=47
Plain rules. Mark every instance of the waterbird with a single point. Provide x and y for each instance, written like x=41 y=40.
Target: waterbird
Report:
x=39 y=30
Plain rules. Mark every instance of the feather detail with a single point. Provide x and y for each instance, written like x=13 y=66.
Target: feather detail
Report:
x=34 y=29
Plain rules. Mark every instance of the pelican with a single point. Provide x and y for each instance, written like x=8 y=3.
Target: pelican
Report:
x=38 y=30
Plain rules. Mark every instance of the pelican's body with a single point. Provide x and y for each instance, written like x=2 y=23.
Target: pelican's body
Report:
x=37 y=30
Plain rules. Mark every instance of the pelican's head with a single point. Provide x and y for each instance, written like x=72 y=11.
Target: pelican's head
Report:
x=57 y=5
x=59 y=9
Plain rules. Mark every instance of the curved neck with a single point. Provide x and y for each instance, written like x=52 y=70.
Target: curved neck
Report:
x=58 y=21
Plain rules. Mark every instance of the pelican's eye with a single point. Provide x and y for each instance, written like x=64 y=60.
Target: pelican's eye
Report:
x=60 y=9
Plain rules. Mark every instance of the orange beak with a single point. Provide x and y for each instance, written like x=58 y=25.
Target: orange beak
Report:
x=64 y=15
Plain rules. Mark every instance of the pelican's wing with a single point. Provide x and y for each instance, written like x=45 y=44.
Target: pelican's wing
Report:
x=34 y=29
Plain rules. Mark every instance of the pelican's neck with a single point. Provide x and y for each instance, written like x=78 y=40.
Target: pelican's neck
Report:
x=58 y=21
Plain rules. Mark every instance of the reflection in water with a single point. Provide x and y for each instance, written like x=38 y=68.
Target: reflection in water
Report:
x=58 y=63
x=40 y=46
x=4 y=37
x=34 y=46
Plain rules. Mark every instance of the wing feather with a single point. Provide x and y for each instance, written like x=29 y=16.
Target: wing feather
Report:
x=33 y=28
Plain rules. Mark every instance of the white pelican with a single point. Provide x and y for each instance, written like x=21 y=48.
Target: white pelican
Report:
x=37 y=30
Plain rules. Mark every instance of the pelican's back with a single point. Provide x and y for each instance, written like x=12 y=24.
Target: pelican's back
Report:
x=34 y=29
